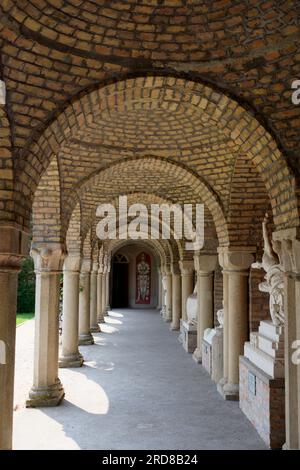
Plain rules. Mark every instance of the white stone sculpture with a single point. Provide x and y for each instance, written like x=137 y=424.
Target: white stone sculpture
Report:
x=191 y=307
x=2 y=352
x=274 y=283
x=220 y=315
x=164 y=295
x=2 y=92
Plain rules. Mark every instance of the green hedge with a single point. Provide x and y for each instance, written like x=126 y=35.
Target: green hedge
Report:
x=26 y=287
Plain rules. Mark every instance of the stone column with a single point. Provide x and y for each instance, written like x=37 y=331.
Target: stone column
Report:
x=205 y=265
x=99 y=294
x=94 y=327
x=85 y=337
x=176 y=297
x=224 y=379
x=287 y=246
x=104 y=292
x=159 y=300
x=168 y=313
x=70 y=356
x=13 y=248
x=163 y=291
x=107 y=285
x=236 y=263
x=187 y=284
x=47 y=389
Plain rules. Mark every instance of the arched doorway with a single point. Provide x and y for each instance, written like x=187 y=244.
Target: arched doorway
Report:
x=120 y=281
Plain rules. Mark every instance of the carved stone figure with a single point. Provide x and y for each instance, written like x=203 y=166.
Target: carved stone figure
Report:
x=220 y=316
x=274 y=283
x=164 y=295
x=191 y=307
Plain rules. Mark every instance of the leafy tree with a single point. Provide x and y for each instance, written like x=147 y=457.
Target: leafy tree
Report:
x=26 y=287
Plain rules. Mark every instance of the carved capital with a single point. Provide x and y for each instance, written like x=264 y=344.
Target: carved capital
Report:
x=175 y=269
x=186 y=267
x=95 y=267
x=167 y=270
x=236 y=258
x=205 y=263
x=72 y=263
x=100 y=268
x=48 y=257
x=86 y=266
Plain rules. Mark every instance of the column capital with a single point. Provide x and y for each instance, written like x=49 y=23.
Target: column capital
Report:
x=72 y=262
x=86 y=266
x=48 y=257
x=167 y=270
x=95 y=267
x=186 y=267
x=236 y=259
x=205 y=263
x=286 y=244
x=14 y=245
x=175 y=269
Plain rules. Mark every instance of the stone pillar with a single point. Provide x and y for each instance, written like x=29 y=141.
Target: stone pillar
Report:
x=104 y=292
x=168 y=313
x=13 y=248
x=176 y=297
x=205 y=265
x=287 y=246
x=47 y=389
x=159 y=300
x=225 y=333
x=70 y=356
x=94 y=327
x=187 y=284
x=107 y=286
x=236 y=263
x=99 y=294
x=85 y=337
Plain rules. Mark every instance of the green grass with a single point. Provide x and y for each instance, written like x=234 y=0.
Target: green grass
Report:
x=22 y=317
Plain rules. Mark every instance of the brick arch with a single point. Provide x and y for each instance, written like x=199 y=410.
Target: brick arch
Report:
x=73 y=235
x=177 y=245
x=87 y=246
x=157 y=248
x=175 y=101
x=165 y=179
x=46 y=209
x=9 y=211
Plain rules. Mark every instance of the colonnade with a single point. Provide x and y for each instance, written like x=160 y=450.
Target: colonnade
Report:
x=86 y=300
x=235 y=263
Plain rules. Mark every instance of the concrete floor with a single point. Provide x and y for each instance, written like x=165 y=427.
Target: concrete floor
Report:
x=138 y=389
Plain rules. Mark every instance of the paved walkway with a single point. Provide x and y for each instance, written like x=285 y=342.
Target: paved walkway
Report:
x=138 y=389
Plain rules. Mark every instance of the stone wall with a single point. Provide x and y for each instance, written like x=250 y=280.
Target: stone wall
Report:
x=259 y=301
x=265 y=407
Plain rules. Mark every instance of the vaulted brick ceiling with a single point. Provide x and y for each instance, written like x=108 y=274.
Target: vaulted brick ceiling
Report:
x=54 y=53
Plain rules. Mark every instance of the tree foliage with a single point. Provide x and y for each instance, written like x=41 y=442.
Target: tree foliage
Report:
x=26 y=287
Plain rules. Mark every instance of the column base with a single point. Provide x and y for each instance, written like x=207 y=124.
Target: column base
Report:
x=70 y=361
x=86 y=340
x=197 y=356
x=220 y=385
x=95 y=329
x=174 y=327
x=229 y=391
x=45 y=396
x=100 y=318
x=167 y=320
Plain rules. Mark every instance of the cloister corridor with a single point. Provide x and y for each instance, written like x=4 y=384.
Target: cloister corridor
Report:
x=137 y=389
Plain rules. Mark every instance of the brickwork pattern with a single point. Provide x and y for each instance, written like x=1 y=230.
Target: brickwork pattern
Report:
x=265 y=409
